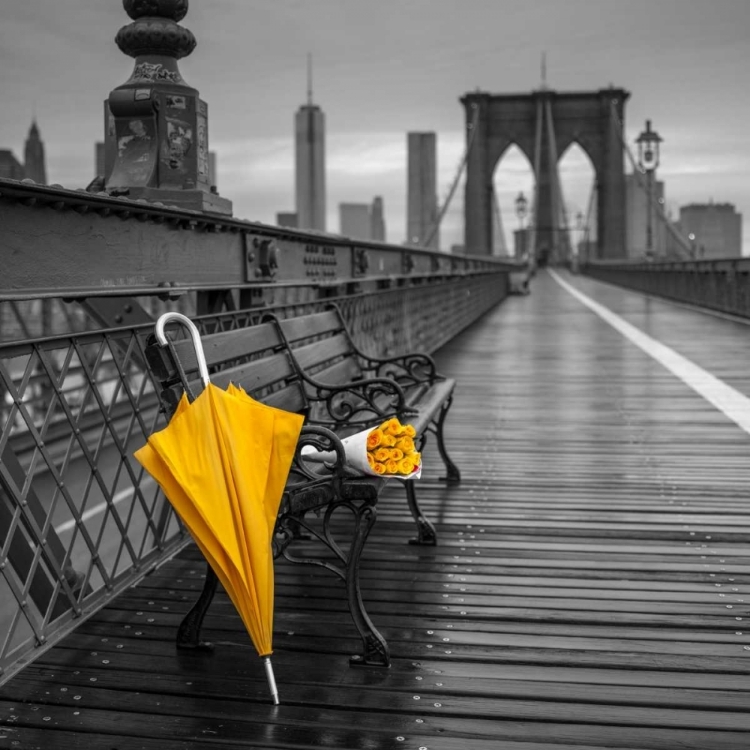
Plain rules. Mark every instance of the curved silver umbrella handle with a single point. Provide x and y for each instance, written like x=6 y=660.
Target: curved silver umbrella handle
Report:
x=194 y=334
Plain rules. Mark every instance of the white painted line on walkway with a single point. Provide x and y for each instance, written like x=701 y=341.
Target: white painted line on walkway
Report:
x=728 y=400
x=128 y=493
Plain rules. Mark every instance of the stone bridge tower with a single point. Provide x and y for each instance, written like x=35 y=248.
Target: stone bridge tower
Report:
x=543 y=124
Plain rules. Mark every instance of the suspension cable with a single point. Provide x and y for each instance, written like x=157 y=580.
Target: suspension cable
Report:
x=589 y=211
x=464 y=160
x=559 y=210
x=531 y=249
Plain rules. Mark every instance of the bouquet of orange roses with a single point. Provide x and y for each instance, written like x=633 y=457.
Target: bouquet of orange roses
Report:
x=386 y=451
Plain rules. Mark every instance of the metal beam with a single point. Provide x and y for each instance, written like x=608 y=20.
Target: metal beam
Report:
x=64 y=243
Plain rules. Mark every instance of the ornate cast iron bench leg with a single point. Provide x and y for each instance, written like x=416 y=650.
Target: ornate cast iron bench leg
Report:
x=426 y=534
x=453 y=475
x=189 y=632
x=376 y=652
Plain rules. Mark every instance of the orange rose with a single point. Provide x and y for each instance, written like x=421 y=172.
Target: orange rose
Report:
x=396 y=454
x=374 y=439
x=389 y=441
x=370 y=460
x=406 y=444
x=378 y=468
x=392 y=466
x=391 y=427
x=409 y=431
x=382 y=454
x=406 y=466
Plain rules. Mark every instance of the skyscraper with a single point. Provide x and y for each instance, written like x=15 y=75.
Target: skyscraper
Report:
x=363 y=221
x=354 y=220
x=377 y=220
x=10 y=167
x=309 y=143
x=286 y=219
x=34 y=164
x=100 y=159
x=422 y=191
x=637 y=206
x=713 y=229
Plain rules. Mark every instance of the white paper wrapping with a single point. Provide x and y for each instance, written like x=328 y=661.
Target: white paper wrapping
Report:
x=355 y=447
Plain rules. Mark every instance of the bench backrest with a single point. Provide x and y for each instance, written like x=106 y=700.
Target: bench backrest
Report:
x=322 y=346
x=254 y=357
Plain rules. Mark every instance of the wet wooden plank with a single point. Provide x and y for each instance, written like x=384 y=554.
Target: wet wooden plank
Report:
x=591 y=587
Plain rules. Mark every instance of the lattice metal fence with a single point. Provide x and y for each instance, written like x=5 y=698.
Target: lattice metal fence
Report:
x=722 y=284
x=79 y=520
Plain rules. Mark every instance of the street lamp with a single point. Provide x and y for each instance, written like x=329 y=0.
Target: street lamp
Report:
x=522 y=206
x=648 y=160
x=693 y=246
x=581 y=231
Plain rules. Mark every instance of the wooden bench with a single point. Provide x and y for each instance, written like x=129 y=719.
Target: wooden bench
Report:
x=257 y=359
x=311 y=366
x=349 y=390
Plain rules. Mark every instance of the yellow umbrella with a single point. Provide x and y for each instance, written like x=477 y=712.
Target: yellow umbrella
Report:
x=222 y=462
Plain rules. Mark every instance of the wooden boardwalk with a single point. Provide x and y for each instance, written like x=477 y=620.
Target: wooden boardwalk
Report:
x=591 y=587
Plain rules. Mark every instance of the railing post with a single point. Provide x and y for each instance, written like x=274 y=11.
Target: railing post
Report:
x=157 y=129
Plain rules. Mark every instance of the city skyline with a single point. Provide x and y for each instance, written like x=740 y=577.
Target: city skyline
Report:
x=679 y=60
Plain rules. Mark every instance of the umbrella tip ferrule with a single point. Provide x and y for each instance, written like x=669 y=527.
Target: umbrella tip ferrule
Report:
x=271 y=679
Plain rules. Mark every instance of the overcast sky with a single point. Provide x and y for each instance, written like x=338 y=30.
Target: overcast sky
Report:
x=385 y=67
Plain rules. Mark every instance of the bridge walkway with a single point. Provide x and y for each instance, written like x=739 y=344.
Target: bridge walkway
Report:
x=591 y=587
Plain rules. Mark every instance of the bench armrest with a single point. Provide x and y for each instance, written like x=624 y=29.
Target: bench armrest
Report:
x=357 y=403
x=407 y=370
x=324 y=440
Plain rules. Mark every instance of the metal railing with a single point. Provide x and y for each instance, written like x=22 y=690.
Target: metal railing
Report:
x=721 y=284
x=79 y=520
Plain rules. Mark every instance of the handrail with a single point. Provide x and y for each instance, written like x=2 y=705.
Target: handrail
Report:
x=721 y=284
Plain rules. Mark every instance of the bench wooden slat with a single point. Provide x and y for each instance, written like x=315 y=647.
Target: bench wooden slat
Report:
x=311 y=356
x=429 y=402
x=290 y=398
x=298 y=329
x=343 y=371
x=228 y=345
x=256 y=375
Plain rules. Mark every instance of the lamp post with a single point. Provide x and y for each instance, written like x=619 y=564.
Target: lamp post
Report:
x=648 y=160
x=693 y=246
x=579 y=244
x=522 y=206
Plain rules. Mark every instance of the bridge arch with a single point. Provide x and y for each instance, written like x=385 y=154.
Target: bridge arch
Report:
x=577 y=178
x=543 y=124
x=513 y=174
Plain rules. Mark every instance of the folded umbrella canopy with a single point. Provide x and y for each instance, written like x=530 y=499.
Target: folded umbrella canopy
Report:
x=222 y=462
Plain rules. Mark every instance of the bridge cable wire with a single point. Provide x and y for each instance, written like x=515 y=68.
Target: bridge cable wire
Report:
x=559 y=212
x=589 y=212
x=531 y=248
x=684 y=249
x=461 y=167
